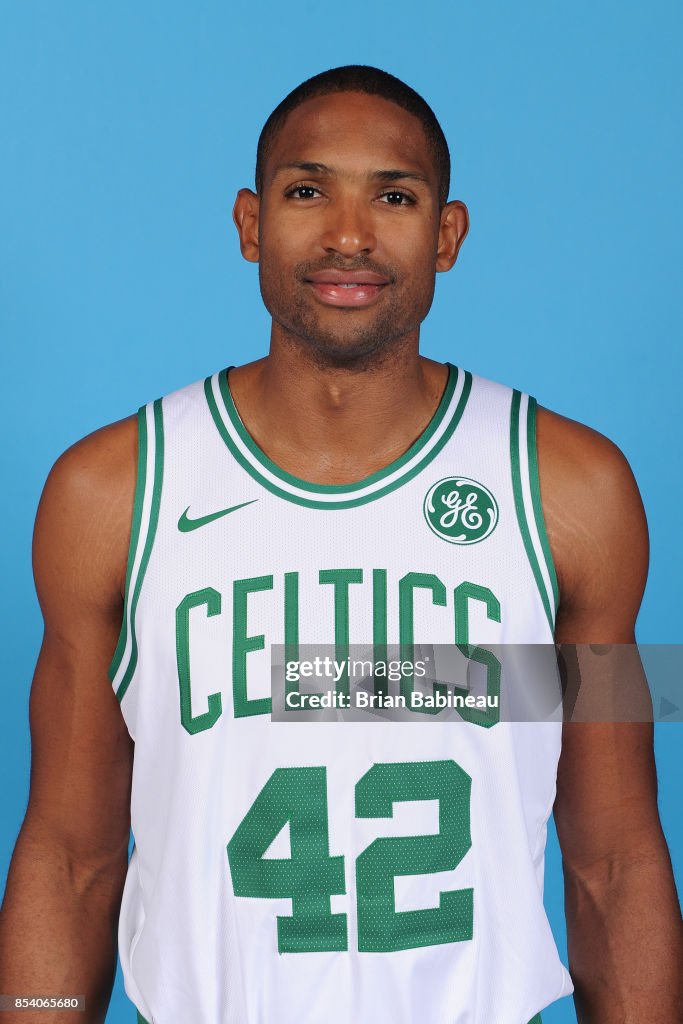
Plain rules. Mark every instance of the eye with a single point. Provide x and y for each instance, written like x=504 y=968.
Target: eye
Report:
x=394 y=197
x=302 y=192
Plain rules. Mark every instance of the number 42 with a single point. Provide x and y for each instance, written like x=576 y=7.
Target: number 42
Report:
x=310 y=876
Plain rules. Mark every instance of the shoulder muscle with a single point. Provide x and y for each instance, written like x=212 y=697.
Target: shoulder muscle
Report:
x=83 y=522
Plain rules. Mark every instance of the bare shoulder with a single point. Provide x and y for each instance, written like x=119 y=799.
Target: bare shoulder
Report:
x=84 y=517
x=595 y=521
x=580 y=466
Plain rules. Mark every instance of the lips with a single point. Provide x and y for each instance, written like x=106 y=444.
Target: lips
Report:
x=351 y=288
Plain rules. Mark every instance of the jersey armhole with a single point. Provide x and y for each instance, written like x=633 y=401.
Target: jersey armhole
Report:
x=527 y=493
x=143 y=529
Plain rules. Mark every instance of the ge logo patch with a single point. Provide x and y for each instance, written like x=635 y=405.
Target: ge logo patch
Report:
x=460 y=511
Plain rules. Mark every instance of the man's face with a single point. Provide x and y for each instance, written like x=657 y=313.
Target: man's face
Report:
x=349 y=225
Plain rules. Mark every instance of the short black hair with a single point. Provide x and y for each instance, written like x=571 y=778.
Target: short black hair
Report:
x=373 y=82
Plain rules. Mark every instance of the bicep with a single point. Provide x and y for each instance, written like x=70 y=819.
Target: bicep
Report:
x=81 y=752
x=606 y=804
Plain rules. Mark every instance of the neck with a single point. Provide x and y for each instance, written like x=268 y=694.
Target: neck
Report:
x=332 y=424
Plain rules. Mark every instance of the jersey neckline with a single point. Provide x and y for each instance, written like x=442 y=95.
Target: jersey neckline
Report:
x=335 y=496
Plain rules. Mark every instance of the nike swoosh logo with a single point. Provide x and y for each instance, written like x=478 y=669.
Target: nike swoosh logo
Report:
x=185 y=525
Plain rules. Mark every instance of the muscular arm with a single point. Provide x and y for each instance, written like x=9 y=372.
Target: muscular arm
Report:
x=625 y=936
x=60 y=911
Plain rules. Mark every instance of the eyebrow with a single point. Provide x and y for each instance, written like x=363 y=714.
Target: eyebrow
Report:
x=392 y=174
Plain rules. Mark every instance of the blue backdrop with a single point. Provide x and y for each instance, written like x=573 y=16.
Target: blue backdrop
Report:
x=126 y=131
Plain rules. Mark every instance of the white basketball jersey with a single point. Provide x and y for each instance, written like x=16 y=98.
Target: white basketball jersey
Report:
x=307 y=872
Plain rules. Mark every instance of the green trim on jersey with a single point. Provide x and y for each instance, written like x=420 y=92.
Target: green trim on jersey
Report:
x=143 y=530
x=302 y=492
x=526 y=471
x=134 y=537
x=536 y=500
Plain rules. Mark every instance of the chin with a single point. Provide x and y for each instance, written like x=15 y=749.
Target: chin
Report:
x=345 y=351
x=341 y=339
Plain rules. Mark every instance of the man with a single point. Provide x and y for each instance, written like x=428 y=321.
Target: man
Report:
x=342 y=489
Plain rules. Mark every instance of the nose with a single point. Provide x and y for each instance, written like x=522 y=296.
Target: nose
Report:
x=348 y=228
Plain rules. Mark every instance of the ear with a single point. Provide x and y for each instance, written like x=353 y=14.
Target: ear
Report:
x=245 y=214
x=453 y=227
